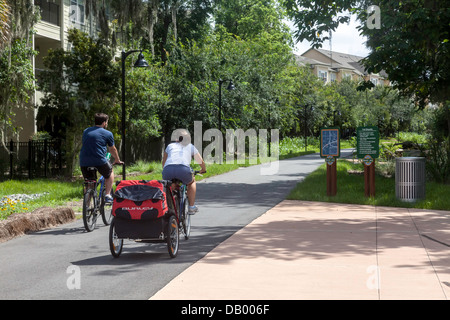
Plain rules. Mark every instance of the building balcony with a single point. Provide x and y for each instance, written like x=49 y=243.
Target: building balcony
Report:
x=50 y=24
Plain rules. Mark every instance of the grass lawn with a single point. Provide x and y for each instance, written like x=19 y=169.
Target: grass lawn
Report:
x=350 y=189
x=53 y=193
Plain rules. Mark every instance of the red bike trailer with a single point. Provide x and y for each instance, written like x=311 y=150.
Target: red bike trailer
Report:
x=144 y=211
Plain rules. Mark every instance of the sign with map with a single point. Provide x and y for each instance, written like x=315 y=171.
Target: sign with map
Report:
x=367 y=142
x=330 y=142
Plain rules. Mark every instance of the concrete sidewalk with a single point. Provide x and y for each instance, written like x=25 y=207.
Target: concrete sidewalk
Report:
x=311 y=250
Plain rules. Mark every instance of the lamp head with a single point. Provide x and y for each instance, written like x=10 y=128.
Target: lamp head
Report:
x=141 y=63
x=231 y=86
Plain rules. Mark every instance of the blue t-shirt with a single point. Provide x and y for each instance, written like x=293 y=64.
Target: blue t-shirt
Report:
x=93 y=150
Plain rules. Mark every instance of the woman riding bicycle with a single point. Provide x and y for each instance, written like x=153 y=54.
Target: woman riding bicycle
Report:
x=176 y=165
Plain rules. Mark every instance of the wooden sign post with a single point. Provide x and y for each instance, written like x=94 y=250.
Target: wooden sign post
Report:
x=331 y=176
x=330 y=149
x=368 y=149
x=369 y=176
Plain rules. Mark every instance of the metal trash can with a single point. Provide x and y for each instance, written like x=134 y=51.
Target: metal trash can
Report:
x=410 y=178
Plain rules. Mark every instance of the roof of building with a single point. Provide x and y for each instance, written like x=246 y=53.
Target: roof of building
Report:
x=337 y=60
x=306 y=60
x=348 y=61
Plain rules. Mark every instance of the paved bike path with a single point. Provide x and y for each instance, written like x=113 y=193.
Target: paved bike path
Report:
x=312 y=250
x=67 y=262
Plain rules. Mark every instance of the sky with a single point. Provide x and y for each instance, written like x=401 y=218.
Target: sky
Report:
x=345 y=39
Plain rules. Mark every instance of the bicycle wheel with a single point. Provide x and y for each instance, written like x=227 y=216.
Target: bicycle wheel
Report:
x=172 y=236
x=185 y=219
x=105 y=210
x=115 y=244
x=89 y=214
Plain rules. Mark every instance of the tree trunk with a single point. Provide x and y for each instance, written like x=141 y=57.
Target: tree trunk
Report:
x=153 y=19
x=167 y=20
x=174 y=10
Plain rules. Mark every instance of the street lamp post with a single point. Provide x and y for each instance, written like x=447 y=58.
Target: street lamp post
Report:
x=306 y=122
x=277 y=101
x=334 y=116
x=139 y=64
x=306 y=107
x=229 y=88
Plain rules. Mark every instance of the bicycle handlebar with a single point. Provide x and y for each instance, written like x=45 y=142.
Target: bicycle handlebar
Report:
x=108 y=157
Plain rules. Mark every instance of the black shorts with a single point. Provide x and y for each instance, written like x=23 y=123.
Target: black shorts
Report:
x=105 y=170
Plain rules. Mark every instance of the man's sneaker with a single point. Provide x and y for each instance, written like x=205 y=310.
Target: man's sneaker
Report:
x=109 y=199
x=192 y=209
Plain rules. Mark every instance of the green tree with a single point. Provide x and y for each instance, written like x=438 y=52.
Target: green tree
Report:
x=298 y=89
x=256 y=66
x=381 y=106
x=76 y=85
x=4 y=22
x=411 y=44
x=145 y=97
x=159 y=25
x=16 y=70
x=16 y=86
x=249 y=19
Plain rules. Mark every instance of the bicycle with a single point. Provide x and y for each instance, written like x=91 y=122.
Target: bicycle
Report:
x=94 y=202
x=182 y=203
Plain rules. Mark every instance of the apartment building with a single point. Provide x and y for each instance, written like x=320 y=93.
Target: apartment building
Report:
x=333 y=66
x=57 y=17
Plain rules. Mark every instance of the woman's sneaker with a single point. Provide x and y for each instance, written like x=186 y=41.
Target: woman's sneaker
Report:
x=192 y=209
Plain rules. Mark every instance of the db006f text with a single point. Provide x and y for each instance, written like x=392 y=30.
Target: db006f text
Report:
x=244 y=309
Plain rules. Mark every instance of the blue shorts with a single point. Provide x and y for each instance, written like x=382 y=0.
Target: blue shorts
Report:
x=178 y=171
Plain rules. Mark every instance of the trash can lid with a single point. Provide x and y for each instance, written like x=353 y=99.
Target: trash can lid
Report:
x=410 y=158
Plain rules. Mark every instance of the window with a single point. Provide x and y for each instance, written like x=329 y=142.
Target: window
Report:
x=49 y=11
x=76 y=11
x=323 y=75
x=333 y=76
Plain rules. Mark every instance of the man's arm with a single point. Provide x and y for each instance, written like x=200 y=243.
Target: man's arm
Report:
x=114 y=154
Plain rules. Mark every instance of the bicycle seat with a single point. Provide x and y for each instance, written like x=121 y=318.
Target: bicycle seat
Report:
x=91 y=174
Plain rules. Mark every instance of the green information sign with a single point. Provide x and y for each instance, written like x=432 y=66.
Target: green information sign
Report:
x=367 y=142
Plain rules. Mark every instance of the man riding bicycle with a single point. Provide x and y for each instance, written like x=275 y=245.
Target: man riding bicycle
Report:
x=96 y=142
x=176 y=165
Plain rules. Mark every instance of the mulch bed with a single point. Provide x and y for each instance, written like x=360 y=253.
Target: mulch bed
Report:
x=42 y=218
